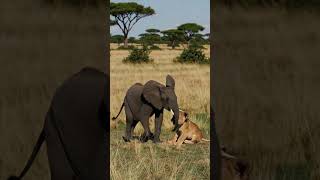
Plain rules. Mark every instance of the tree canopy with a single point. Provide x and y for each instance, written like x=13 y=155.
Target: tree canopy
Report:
x=132 y=40
x=173 y=36
x=117 y=38
x=149 y=39
x=153 y=31
x=190 y=29
x=126 y=15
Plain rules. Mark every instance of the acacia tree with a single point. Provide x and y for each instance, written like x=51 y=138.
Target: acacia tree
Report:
x=190 y=30
x=173 y=36
x=117 y=39
x=153 y=31
x=197 y=41
x=132 y=40
x=126 y=15
x=150 y=38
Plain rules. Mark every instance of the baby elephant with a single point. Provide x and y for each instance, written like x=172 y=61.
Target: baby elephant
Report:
x=188 y=132
x=143 y=101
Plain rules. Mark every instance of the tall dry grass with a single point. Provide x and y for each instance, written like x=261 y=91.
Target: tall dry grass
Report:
x=192 y=80
x=148 y=161
x=40 y=47
x=267 y=89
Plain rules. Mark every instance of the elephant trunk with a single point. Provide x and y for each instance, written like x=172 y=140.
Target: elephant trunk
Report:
x=175 y=118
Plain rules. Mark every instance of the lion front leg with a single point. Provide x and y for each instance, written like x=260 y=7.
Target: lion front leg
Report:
x=180 y=140
x=173 y=140
x=189 y=141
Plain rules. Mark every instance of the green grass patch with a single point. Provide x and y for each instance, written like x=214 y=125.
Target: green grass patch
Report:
x=137 y=160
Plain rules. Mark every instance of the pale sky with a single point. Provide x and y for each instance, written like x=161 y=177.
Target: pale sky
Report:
x=170 y=14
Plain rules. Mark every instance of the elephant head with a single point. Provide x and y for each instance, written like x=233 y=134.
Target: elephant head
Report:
x=163 y=97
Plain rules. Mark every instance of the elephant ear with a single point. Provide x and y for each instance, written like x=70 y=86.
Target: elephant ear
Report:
x=152 y=94
x=170 y=81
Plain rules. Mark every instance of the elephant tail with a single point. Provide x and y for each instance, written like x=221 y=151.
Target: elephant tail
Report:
x=114 y=118
x=32 y=157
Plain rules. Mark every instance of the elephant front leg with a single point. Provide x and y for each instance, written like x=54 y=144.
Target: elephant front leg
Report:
x=158 y=124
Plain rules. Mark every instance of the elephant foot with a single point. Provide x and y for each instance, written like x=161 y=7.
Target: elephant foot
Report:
x=144 y=139
x=126 y=139
x=151 y=137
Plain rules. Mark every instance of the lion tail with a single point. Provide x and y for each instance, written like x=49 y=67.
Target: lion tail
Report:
x=206 y=140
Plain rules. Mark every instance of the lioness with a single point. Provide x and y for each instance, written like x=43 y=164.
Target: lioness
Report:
x=188 y=132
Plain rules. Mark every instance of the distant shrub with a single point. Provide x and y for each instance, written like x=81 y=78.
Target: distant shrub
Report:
x=154 y=47
x=130 y=47
x=196 y=44
x=192 y=55
x=138 y=56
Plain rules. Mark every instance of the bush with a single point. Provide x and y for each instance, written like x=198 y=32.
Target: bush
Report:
x=138 y=56
x=154 y=47
x=196 y=45
x=130 y=47
x=192 y=55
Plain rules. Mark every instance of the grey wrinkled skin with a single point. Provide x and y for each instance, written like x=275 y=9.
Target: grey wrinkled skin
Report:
x=75 y=129
x=142 y=101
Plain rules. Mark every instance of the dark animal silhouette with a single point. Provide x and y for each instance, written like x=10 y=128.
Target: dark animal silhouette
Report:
x=75 y=129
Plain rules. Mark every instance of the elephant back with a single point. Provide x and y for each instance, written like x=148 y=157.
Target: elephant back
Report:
x=76 y=108
x=133 y=98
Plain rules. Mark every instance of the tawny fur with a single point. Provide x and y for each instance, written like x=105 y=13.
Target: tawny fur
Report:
x=188 y=133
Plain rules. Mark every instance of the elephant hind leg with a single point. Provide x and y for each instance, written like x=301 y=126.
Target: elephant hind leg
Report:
x=130 y=130
x=147 y=133
x=128 y=135
x=129 y=124
x=133 y=125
